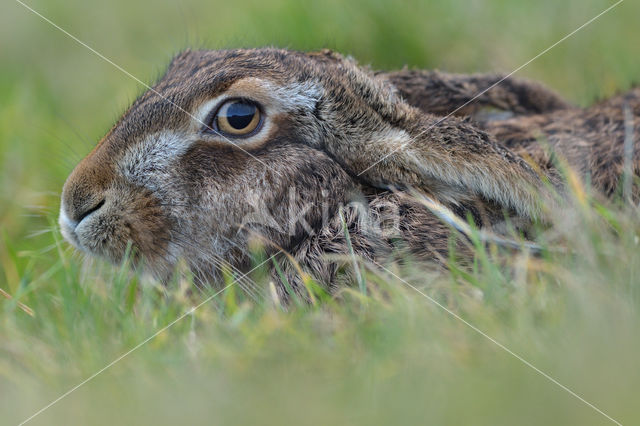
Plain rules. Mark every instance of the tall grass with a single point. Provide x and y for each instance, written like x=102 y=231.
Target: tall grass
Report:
x=376 y=353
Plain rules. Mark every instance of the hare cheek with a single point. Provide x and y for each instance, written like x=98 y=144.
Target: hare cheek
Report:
x=151 y=163
x=150 y=169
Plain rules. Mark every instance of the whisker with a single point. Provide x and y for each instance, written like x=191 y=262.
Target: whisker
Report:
x=33 y=215
x=82 y=138
x=35 y=234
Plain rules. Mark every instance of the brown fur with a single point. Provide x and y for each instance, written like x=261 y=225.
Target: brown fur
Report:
x=441 y=93
x=337 y=138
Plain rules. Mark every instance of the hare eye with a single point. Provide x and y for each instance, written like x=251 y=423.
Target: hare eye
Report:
x=237 y=117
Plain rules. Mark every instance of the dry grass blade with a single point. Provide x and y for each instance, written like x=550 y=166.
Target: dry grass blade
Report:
x=451 y=219
x=21 y=305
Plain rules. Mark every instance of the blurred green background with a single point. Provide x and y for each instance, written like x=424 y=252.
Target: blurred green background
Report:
x=361 y=361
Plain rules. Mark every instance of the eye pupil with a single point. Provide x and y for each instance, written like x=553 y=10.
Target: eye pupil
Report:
x=239 y=115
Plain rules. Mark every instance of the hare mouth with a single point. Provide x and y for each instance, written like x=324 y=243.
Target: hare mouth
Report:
x=123 y=225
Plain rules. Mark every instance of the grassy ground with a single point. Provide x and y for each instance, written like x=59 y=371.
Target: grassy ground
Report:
x=392 y=356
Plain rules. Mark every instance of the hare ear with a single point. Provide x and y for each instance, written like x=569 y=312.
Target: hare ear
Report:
x=447 y=157
x=460 y=94
x=378 y=137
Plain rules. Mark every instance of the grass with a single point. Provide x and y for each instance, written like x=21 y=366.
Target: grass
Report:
x=378 y=354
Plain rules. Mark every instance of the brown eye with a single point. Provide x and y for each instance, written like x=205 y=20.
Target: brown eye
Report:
x=237 y=117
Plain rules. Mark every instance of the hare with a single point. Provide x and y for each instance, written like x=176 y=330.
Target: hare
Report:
x=311 y=156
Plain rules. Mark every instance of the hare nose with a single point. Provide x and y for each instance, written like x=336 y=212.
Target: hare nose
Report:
x=75 y=211
x=71 y=214
x=87 y=210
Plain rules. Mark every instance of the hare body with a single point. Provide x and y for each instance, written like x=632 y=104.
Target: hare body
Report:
x=331 y=149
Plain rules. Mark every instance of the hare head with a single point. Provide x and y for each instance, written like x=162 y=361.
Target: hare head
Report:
x=212 y=154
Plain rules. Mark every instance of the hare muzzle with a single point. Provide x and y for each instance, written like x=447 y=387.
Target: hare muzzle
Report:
x=104 y=211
